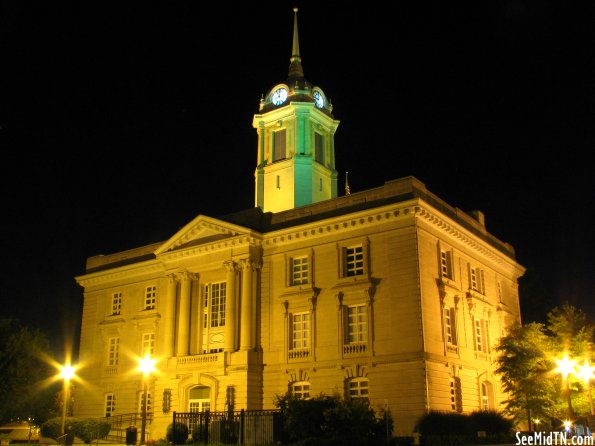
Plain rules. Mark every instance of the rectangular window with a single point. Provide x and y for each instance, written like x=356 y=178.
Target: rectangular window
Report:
x=150 y=297
x=215 y=298
x=301 y=390
x=299 y=270
x=110 y=404
x=358 y=388
x=476 y=280
x=141 y=402
x=456 y=394
x=446 y=264
x=357 y=325
x=300 y=331
x=319 y=147
x=113 y=351
x=279 y=145
x=148 y=347
x=450 y=326
x=481 y=335
x=354 y=260
x=116 y=303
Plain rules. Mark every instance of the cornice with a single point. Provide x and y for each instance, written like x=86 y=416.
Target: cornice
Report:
x=342 y=224
x=136 y=270
x=433 y=217
x=212 y=247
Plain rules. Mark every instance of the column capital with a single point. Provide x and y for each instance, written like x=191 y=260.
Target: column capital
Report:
x=230 y=266
x=185 y=276
x=171 y=278
x=249 y=264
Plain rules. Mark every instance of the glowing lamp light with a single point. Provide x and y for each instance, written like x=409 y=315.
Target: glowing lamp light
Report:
x=567 y=425
x=67 y=372
x=146 y=365
x=565 y=366
x=586 y=371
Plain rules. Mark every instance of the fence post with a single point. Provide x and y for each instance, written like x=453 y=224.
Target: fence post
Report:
x=207 y=426
x=242 y=426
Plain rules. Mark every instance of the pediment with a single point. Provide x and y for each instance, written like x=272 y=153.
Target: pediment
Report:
x=202 y=230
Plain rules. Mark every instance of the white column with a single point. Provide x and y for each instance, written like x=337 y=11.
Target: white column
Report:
x=230 y=308
x=184 y=319
x=170 y=317
x=246 y=306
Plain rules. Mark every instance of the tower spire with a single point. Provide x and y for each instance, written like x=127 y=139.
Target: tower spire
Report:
x=296 y=72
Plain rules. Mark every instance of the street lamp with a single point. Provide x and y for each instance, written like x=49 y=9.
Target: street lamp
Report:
x=66 y=373
x=585 y=371
x=565 y=368
x=146 y=366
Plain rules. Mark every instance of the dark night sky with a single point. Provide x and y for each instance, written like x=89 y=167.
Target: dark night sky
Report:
x=122 y=121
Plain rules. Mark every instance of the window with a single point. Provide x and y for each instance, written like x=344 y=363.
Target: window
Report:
x=299 y=270
x=300 y=331
x=148 y=346
x=116 y=303
x=357 y=388
x=353 y=261
x=319 y=147
x=456 y=394
x=141 y=402
x=113 y=351
x=110 y=404
x=301 y=390
x=481 y=334
x=487 y=393
x=446 y=264
x=450 y=333
x=215 y=301
x=150 y=297
x=357 y=324
x=476 y=280
x=199 y=399
x=279 y=147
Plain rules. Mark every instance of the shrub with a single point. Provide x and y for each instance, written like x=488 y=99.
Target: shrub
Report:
x=330 y=420
x=89 y=429
x=449 y=428
x=179 y=436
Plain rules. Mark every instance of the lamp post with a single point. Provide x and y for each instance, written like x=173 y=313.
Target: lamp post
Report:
x=66 y=373
x=146 y=366
x=565 y=368
x=586 y=373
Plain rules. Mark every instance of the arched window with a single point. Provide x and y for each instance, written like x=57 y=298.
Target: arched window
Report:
x=300 y=389
x=487 y=396
x=199 y=399
x=357 y=388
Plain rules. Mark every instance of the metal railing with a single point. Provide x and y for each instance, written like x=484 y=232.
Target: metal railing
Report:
x=254 y=427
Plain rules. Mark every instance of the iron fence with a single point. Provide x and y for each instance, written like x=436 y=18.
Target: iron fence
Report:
x=254 y=427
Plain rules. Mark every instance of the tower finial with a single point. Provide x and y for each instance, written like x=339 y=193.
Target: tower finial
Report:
x=347 y=190
x=295 y=67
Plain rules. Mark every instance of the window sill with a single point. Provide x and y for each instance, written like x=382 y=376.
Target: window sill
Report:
x=293 y=290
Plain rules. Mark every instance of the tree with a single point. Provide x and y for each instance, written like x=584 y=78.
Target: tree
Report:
x=23 y=370
x=523 y=364
x=571 y=334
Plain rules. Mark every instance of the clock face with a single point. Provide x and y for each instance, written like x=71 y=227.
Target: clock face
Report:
x=318 y=99
x=279 y=96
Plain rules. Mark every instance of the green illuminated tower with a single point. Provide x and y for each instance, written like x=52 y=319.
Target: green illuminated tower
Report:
x=296 y=150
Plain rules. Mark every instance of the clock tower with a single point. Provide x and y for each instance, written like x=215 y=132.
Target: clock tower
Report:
x=296 y=151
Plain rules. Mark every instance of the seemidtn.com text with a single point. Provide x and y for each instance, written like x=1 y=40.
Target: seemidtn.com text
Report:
x=553 y=438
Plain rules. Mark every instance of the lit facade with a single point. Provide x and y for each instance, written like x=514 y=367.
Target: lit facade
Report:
x=388 y=294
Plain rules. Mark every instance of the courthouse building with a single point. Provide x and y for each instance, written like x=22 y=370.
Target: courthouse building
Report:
x=388 y=294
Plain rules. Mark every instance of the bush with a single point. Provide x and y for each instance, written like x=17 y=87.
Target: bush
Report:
x=330 y=420
x=90 y=429
x=449 y=428
x=179 y=436
x=86 y=429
